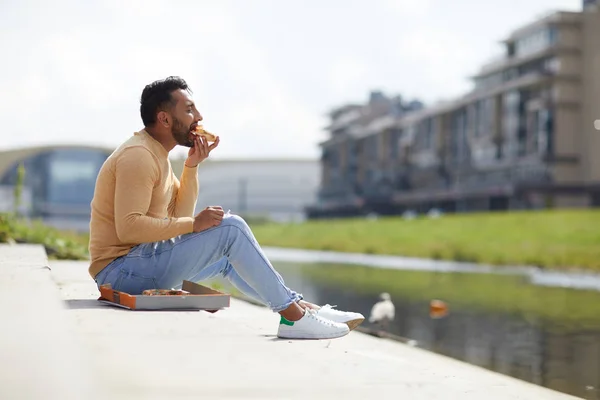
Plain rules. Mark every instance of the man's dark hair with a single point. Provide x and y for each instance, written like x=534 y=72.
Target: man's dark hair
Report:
x=157 y=96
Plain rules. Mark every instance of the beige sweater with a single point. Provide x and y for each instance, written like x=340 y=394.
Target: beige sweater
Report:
x=138 y=199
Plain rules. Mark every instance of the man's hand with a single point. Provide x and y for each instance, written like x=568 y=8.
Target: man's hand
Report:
x=200 y=151
x=207 y=218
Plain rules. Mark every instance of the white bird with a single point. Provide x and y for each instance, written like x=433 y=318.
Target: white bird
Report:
x=383 y=312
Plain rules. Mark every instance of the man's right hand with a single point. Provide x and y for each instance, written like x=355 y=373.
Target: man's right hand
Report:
x=207 y=218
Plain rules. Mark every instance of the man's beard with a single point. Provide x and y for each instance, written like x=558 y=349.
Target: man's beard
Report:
x=181 y=134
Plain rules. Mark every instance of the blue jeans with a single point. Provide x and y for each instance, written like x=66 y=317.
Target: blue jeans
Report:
x=229 y=250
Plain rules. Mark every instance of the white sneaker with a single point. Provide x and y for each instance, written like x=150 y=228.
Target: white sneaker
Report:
x=352 y=319
x=311 y=326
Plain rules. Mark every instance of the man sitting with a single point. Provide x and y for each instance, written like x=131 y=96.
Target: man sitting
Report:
x=143 y=234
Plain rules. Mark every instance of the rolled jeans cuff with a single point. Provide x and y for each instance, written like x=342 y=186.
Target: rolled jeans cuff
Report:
x=295 y=298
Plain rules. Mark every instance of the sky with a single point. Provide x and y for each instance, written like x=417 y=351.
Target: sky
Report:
x=264 y=73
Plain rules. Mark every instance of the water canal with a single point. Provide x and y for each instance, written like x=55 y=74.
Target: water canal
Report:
x=547 y=335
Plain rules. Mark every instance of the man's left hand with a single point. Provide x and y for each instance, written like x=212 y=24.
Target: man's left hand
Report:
x=200 y=151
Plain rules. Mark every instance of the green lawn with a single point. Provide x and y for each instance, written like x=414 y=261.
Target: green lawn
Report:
x=551 y=239
x=58 y=244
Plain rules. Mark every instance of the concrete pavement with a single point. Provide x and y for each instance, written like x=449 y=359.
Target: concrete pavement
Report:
x=232 y=354
x=39 y=349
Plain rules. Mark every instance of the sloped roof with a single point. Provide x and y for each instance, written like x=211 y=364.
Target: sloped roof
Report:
x=9 y=157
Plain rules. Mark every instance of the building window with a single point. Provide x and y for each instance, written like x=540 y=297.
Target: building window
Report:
x=425 y=134
x=371 y=148
x=537 y=41
x=429 y=133
x=511 y=102
x=61 y=177
x=490 y=80
x=72 y=176
x=548 y=65
x=393 y=144
x=551 y=65
x=483 y=117
x=459 y=142
x=552 y=35
x=548 y=131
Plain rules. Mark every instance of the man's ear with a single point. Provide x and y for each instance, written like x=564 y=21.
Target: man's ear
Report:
x=164 y=119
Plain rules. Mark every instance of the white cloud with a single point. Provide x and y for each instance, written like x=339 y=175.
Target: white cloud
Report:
x=94 y=80
x=410 y=7
x=438 y=57
x=347 y=72
x=263 y=73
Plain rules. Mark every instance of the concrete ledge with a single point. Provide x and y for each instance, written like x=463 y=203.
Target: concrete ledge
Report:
x=234 y=354
x=40 y=353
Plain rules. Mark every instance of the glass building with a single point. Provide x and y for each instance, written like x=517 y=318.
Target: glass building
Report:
x=60 y=183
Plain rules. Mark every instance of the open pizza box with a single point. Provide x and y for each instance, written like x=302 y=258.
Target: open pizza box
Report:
x=191 y=297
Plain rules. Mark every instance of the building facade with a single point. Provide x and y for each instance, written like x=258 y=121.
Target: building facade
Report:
x=58 y=183
x=523 y=137
x=276 y=189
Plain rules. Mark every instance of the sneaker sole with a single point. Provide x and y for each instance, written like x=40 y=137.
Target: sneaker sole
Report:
x=354 y=323
x=317 y=337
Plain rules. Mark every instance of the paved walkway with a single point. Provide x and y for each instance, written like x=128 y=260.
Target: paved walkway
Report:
x=232 y=354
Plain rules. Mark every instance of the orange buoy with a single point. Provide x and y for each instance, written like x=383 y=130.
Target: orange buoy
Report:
x=438 y=309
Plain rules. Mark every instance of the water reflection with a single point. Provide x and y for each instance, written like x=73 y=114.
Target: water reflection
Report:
x=563 y=356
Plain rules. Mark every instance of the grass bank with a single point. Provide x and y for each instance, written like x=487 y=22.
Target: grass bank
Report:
x=59 y=245
x=550 y=239
x=487 y=293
